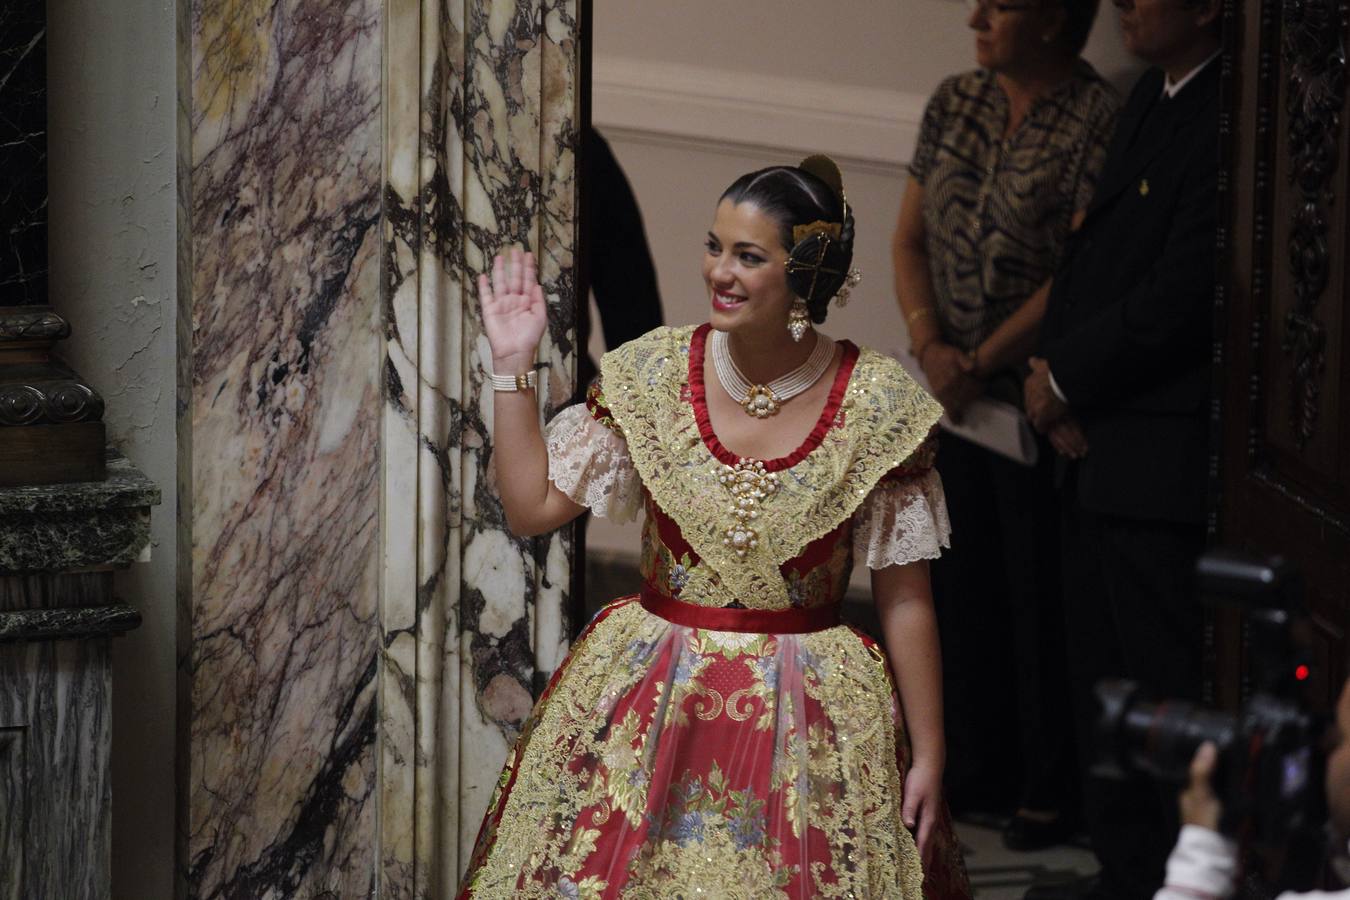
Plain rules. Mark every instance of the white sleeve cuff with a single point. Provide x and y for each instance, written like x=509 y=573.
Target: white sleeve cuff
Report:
x=901 y=522
x=1203 y=864
x=1054 y=386
x=589 y=463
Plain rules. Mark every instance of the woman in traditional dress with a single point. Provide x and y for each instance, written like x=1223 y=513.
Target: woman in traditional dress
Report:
x=721 y=734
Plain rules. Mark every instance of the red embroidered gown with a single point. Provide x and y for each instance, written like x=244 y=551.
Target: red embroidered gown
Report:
x=720 y=734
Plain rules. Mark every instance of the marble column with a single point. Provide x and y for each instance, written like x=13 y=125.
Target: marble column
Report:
x=279 y=449
x=481 y=138
x=360 y=636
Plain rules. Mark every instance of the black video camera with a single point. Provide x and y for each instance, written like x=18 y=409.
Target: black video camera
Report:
x=1271 y=762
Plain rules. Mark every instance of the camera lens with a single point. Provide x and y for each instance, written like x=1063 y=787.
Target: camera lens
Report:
x=1156 y=739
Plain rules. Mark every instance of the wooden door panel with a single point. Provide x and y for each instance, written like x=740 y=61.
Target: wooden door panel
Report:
x=1283 y=418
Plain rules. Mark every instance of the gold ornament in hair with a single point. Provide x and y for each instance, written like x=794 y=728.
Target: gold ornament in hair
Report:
x=802 y=232
x=795 y=264
x=845 y=291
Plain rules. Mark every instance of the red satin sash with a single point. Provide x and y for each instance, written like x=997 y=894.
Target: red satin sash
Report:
x=725 y=618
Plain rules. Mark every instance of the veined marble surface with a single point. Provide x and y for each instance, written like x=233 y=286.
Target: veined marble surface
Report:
x=349 y=572
x=55 y=728
x=61 y=624
x=125 y=487
x=280 y=403
x=481 y=131
x=55 y=591
x=58 y=527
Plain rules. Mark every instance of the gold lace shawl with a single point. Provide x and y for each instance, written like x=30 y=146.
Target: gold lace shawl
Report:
x=885 y=417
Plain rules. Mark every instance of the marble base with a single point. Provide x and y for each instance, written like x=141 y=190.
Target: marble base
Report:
x=55 y=734
x=56 y=628
x=55 y=717
x=59 y=527
x=62 y=624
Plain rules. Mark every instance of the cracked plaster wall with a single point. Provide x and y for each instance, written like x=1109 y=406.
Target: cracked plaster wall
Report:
x=111 y=143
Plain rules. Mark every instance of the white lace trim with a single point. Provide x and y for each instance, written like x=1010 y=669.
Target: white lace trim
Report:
x=902 y=522
x=589 y=462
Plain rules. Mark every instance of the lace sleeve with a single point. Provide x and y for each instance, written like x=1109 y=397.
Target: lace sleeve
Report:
x=901 y=521
x=588 y=461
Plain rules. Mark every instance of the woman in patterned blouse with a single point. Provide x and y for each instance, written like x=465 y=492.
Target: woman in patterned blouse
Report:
x=1006 y=162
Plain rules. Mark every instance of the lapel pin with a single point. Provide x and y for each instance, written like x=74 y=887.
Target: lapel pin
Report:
x=1143 y=187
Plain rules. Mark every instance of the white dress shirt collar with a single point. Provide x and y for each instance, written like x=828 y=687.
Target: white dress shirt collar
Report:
x=1172 y=88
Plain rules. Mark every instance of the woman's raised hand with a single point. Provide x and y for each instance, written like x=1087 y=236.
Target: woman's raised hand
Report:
x=514 y=314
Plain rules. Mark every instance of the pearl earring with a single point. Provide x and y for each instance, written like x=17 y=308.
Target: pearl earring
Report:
x=799 y=320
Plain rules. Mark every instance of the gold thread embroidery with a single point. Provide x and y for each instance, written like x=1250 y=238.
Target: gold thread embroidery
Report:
x=889 y=417
x=824 y=699
x=835 y=771
x=710 y=710
x=734 y=705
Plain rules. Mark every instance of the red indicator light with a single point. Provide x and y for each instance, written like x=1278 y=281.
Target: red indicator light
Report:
x=1302 y=673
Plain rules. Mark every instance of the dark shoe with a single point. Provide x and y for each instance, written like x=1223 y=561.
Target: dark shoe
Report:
x=1025 y=835
x=1089 y=888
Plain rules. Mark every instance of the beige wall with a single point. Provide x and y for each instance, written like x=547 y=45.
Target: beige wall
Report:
x=111 y=107
x=692 y=95
x=903 y=45
x=896 y=44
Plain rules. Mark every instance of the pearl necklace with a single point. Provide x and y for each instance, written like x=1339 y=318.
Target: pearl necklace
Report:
x=764 y=400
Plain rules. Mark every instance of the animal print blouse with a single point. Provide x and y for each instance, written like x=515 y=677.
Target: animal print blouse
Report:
x=997 y=210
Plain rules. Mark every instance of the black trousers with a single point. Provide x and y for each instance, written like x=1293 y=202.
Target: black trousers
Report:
x=997 y=597
x=1131 y=611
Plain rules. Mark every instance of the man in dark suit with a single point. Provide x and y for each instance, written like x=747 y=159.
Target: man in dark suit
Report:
x=1121 y=385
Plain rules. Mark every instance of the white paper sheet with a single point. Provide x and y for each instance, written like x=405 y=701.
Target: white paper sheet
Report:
x=993 y=424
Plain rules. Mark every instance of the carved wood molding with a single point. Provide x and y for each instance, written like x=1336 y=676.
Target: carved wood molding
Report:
x=35 y=388
x=1223 y=244
x=1313 y=48
x=31 y=323
x=42 y=402
x=1281 y=489
x=1262 y=236
x=1275 y=43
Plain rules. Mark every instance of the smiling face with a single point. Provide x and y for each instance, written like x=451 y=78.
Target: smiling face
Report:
x=743 y=267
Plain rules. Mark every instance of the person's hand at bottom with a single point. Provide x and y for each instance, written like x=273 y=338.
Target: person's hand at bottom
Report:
x=922 y=803
x=1043 y=406
x=1067 y=437
x=1198 y=803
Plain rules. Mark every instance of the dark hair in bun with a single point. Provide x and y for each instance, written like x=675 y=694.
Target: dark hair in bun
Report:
x=797 y=196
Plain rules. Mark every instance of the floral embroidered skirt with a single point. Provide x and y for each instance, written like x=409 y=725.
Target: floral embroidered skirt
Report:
x=669 y=760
